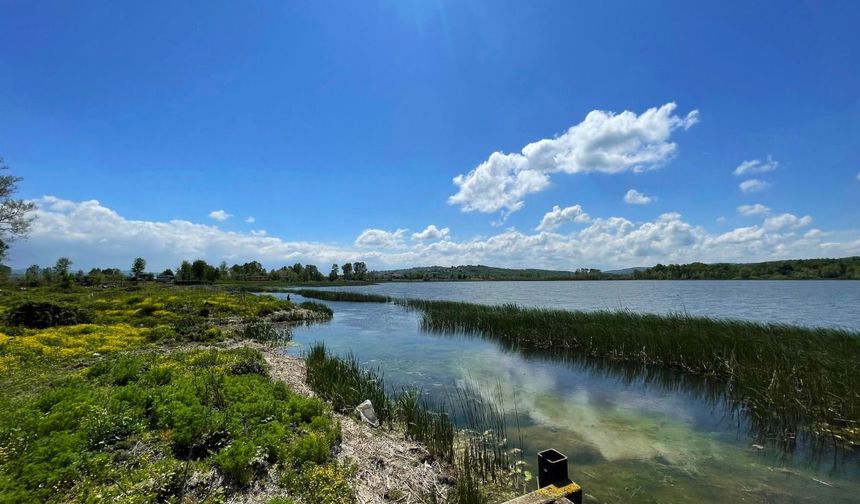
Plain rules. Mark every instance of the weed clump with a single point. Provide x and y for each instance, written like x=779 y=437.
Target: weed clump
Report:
x=317 y=307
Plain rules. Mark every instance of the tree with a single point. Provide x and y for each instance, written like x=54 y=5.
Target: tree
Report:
x=14 y=221
x=360 y=270
x=312 y=273
x=347 y=271
x=62 y=269
x=332 y=276
x=184 y=272
x=198 y=270
x=298 y=268
x=138 y=266
x=62 y=266
x=31 y=276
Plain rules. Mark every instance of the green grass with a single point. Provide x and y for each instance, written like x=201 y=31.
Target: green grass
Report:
x=123 y=407
x=788 y=381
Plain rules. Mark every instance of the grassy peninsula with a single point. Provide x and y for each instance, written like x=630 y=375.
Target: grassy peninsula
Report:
x=789 y=381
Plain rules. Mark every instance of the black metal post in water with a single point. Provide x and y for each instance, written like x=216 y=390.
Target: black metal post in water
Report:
x=552 y=467
x=554 y=486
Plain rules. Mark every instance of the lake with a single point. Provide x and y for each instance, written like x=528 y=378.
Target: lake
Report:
x=815 y=303
x=629 y=435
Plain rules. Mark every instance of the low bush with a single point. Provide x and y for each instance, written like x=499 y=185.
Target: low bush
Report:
x=41 y=315
x=239 y=461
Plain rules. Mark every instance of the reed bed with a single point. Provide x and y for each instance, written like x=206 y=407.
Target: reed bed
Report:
x=788 y=381
x=423 y=422
x=345 y=383
x=339 y=295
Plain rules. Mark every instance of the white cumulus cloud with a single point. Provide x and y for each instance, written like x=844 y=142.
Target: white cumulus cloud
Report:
x=753 y=185
x=603 y=142
x=219 y=215
x=634 y=197
x=94 y=235
x=756 y=209
x=379 y=238
x=431 y=232
x=558 y=216
x=756 y=166
x=250 y=220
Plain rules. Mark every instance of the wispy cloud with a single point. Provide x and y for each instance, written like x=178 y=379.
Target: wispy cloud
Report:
x=250 y=220
x=756 y=209
x=634 y=197
x=786 y=220
x=753 y=185
x=603 y=142
x=756 y=166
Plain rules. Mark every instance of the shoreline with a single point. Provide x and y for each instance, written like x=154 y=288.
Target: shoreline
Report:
x=388 y=467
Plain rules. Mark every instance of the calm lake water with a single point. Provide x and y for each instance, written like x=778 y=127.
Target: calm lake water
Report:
x=630 y=437
x=804 y=302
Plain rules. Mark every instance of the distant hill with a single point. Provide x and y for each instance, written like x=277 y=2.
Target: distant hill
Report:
x=846 y=268
x=625 y=271
x=480 y=272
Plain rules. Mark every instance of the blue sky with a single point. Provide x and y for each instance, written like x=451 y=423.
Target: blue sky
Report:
x=340 y=128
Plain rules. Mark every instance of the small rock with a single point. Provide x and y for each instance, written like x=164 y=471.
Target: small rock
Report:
x=367 y=413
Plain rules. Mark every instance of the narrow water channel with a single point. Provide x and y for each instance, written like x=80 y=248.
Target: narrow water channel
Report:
x=630 y=435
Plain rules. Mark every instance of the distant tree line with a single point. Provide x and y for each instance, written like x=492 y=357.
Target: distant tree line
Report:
x=201 y=272
x=847 y=268
x=189 y=272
